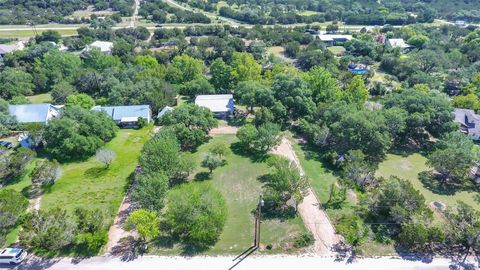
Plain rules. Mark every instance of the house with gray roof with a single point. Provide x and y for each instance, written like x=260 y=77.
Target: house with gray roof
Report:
x=9 y=48
x=127 y=116
x=220 y=105
x=103 y=46
x=469 y=122
x=34 y=113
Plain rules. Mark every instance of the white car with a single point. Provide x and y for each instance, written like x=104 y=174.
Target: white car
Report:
x=12 y=255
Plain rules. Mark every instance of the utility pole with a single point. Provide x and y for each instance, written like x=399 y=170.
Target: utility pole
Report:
x=258 y=221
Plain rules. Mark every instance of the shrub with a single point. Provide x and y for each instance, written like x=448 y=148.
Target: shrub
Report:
x=304 y=240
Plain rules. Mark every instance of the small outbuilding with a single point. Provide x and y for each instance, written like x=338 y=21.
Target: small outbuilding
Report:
x=34 y=113
x=221 y=106
x=394 y=43
x=127 y=116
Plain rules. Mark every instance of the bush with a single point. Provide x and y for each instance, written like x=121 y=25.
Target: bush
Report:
x=12 y=206
x=304 y=240
x=196 y=213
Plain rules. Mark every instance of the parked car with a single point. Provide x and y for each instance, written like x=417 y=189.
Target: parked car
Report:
x=12 y=256
x=5 y=144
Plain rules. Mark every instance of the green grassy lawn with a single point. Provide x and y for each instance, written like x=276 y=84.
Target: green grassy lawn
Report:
x=239 y=184
x=89 y=184
x=31 y=33
x=41 y=98
x=337 y=49
x=408 y=168
x=321 y=178
x=307 y=13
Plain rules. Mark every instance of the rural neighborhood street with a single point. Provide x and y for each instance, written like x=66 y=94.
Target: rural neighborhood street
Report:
x=226 y=263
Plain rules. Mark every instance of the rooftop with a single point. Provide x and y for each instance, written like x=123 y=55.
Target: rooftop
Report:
x=33 y=113
x=216 y=103
x=121 y=112
x=332 y=37
x=398 y=43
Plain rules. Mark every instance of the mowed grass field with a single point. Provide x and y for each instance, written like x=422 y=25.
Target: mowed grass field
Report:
x=89 y=184
x=40 y=98
x=21 y=33
x=238 y=182
x=408 y=168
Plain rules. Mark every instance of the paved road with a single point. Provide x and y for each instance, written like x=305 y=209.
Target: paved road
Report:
x=224 y=263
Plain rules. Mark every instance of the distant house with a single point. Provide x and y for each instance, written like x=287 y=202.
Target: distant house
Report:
x=394 y=43
x=127 y=116
x=9 y=48
x=334 y=40
x=103 y=46
x=34 y=113
x=461 y=24
x=469 y=122
x=220 y=105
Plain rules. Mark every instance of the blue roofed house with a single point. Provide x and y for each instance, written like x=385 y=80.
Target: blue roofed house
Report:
x=34 y=113
x=127 y=116
x=221 y=106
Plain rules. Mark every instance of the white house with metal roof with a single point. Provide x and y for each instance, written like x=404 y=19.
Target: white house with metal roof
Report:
x=34 y=113
x=220 y=105
x=334 y=39
x=127 y=116
x=103 y=46
x=397 y=43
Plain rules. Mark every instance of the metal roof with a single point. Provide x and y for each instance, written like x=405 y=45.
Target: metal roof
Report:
x=216 y=103
x=33 y=113
x=119 y=112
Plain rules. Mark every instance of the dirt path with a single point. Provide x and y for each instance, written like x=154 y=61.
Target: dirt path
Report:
x=313 y=216
x=116 y=232
x=135 y=14
x=224 y=130
x=35 y=204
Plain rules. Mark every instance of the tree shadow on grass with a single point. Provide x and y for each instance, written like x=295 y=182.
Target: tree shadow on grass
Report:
x=96 y=172
x=255 y=156
x=432 y=182
x=202 y=176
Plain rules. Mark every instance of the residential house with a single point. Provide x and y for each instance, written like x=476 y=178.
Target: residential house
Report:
x=469 y=122
x=127 y=116
x=221 y=106
x=34 y=113
x=9 y=48
x=334 y=39
x=394 y=43
x=103 y=46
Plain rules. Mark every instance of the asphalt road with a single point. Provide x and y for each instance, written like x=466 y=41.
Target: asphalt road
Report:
x=224 y=263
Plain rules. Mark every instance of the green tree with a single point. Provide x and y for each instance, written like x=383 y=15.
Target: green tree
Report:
x=418 y=41
x=453 y=158
x=267 y=137
x=353 y=230
x=470 y=101
x=221 y=74
x=184 y=68
x=413 y=236
x=78 y=133
x=246 y=134
x=49 y=230
x=49 y=35
x=55 y=67
x=145 y=223
x=220 y=149
x=15 y=82
x=12 y=206
x=355 y=91
x=294 y=95
x=244 y=68
x=323 y=85
x=211 y=162
x=45 y=173
x=61 y=91
x=464 y=229
x=81 y=100
x=150 y=190
x=252 y=93
x=196 y=213
x=199 y=86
